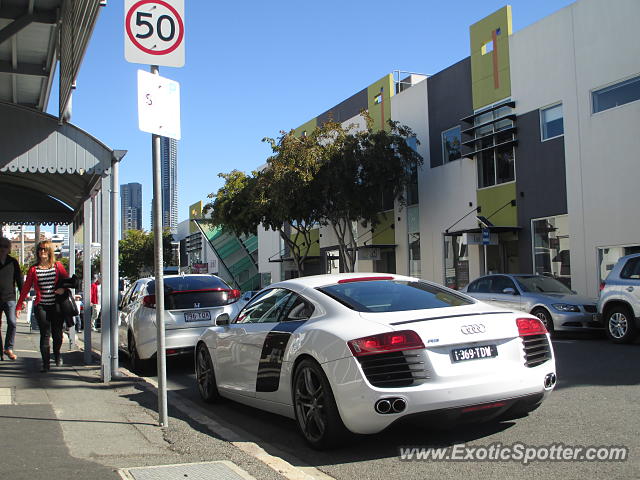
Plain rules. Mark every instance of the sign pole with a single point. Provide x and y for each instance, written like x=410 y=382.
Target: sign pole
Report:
x=157 y=245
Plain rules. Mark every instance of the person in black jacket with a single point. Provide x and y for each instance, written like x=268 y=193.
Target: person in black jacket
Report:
x=10 y=278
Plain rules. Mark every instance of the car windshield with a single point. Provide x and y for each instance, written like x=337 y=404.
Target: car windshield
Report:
x=193 y=291
x=541 y=284
x=392 y=296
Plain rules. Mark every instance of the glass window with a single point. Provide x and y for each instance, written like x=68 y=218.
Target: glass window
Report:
x=551 y=122
x=392 y=296
x=413 y=224
x=266 y=307
x=505 y=171
x=631 y=269
x=486 y=169
x=451 y=144
x=456 y=261
x=300 y=309
x=412 y=188
x=542 y=284
x=482 y=285
x=615 y=95
x=499 y=283
x=552 y=248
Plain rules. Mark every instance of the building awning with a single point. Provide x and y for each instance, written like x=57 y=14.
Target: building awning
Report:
x=494 y=229
x=47 y=170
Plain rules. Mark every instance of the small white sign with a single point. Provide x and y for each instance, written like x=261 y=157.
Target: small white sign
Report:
x=154 y=32
x=158 y=105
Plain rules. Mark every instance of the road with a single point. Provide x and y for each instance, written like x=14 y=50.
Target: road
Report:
x=596 y=402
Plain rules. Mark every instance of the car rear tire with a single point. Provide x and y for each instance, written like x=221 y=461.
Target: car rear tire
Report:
x=620 y=324
x=138 y=366
x=316 y=412
x=205 y=376
x=545 y=317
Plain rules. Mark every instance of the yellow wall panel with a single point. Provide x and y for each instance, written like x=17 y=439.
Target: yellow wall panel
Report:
x=493 y=199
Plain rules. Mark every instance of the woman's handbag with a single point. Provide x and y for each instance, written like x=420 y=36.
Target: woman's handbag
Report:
x=67 y=307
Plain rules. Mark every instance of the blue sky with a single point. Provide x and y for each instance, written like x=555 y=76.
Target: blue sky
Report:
x=254 y=68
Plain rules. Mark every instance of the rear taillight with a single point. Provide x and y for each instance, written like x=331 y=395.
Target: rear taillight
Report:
x=385 y=343
x=149 y=301
x=602 y=284
x=234 y=295
x=530 y=326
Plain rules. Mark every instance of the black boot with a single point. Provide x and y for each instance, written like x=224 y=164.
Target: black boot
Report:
x=46 y=359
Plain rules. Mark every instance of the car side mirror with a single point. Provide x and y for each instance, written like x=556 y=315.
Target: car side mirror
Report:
x=509 y=291
x=223 y=319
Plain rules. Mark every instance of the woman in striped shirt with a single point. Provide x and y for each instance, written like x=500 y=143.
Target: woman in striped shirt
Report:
x=44 y=276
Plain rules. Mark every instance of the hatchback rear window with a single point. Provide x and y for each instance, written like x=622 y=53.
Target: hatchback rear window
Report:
x=193 y=292
x=392 y=296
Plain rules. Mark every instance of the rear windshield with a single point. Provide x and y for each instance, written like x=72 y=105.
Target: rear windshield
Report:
x=187 y=292
x=392 y=296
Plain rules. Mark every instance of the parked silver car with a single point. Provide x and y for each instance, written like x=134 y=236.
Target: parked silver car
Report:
x=619 y=302
x=550 y=300
x=191 y=304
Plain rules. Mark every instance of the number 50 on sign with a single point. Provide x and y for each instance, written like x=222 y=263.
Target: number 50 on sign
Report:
x=154 y=32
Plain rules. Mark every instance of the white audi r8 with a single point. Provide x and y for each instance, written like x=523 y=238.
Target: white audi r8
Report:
x=357 y=352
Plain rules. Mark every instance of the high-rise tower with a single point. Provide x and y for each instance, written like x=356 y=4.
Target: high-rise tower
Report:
x=131 y=207
x=169 y=174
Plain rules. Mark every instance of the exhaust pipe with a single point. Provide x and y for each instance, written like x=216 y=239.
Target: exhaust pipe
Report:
x=383 y=406
x=398 y=405
x=550 y=380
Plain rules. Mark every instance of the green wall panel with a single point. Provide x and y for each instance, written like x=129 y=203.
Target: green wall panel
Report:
x=490 y=72
x=308 y=127
x=384 y=234
x=492 y=199
x=379 y=101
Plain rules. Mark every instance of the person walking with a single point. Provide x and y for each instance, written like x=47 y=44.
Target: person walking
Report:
x=43 y=276
x=10 y=278
x=95 y=302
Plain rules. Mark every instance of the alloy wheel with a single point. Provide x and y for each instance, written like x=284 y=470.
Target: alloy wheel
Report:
x=310 y=404
x=618 y=325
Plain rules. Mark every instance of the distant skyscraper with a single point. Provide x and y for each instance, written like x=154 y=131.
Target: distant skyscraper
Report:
x=131 y=207
x=169 y=173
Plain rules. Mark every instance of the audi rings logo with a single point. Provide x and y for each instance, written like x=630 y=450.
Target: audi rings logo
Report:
x=474 y=328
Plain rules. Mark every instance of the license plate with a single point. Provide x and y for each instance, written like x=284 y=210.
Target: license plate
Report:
x=197 y=316
x=473 y=353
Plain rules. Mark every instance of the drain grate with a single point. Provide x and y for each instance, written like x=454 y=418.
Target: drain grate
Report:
x=222 y=470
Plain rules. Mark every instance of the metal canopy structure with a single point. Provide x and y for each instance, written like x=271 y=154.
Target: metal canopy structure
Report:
x=50 y=170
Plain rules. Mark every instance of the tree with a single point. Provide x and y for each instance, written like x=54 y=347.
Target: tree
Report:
x=331 y=176
x=357 y=171
x=136 y=253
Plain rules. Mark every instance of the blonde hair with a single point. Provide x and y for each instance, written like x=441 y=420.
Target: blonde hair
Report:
x=50 y=250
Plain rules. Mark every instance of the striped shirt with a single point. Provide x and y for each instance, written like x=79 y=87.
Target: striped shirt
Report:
x=46 y=281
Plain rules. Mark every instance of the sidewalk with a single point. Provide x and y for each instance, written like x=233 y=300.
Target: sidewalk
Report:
x=67 y=424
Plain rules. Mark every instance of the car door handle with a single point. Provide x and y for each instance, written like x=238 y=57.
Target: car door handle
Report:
x=629 y=289
x=493 y=299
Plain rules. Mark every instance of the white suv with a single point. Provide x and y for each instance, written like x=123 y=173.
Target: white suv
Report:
x=619 y=302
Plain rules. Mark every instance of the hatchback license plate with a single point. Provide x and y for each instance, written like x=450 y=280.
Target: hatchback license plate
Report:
x=473 y=353
x=197 y=316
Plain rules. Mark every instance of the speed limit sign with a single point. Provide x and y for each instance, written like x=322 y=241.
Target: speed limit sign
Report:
x=154 y=32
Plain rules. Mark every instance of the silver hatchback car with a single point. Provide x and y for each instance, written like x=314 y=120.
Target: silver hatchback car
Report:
x=559 y=307
x=191 y=305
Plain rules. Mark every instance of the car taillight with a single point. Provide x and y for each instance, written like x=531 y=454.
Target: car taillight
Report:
x=530 y=326
x=234 y=295
x=149 y=301
x=385 y=343
x=602 y=284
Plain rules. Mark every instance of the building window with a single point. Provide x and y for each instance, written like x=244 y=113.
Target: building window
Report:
x=456 y=261
x=616 y=95
x=413 y=227
x=491 y=137
x=551 y=122
x=412 y=188
x=451 y=145
x=552 y=247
